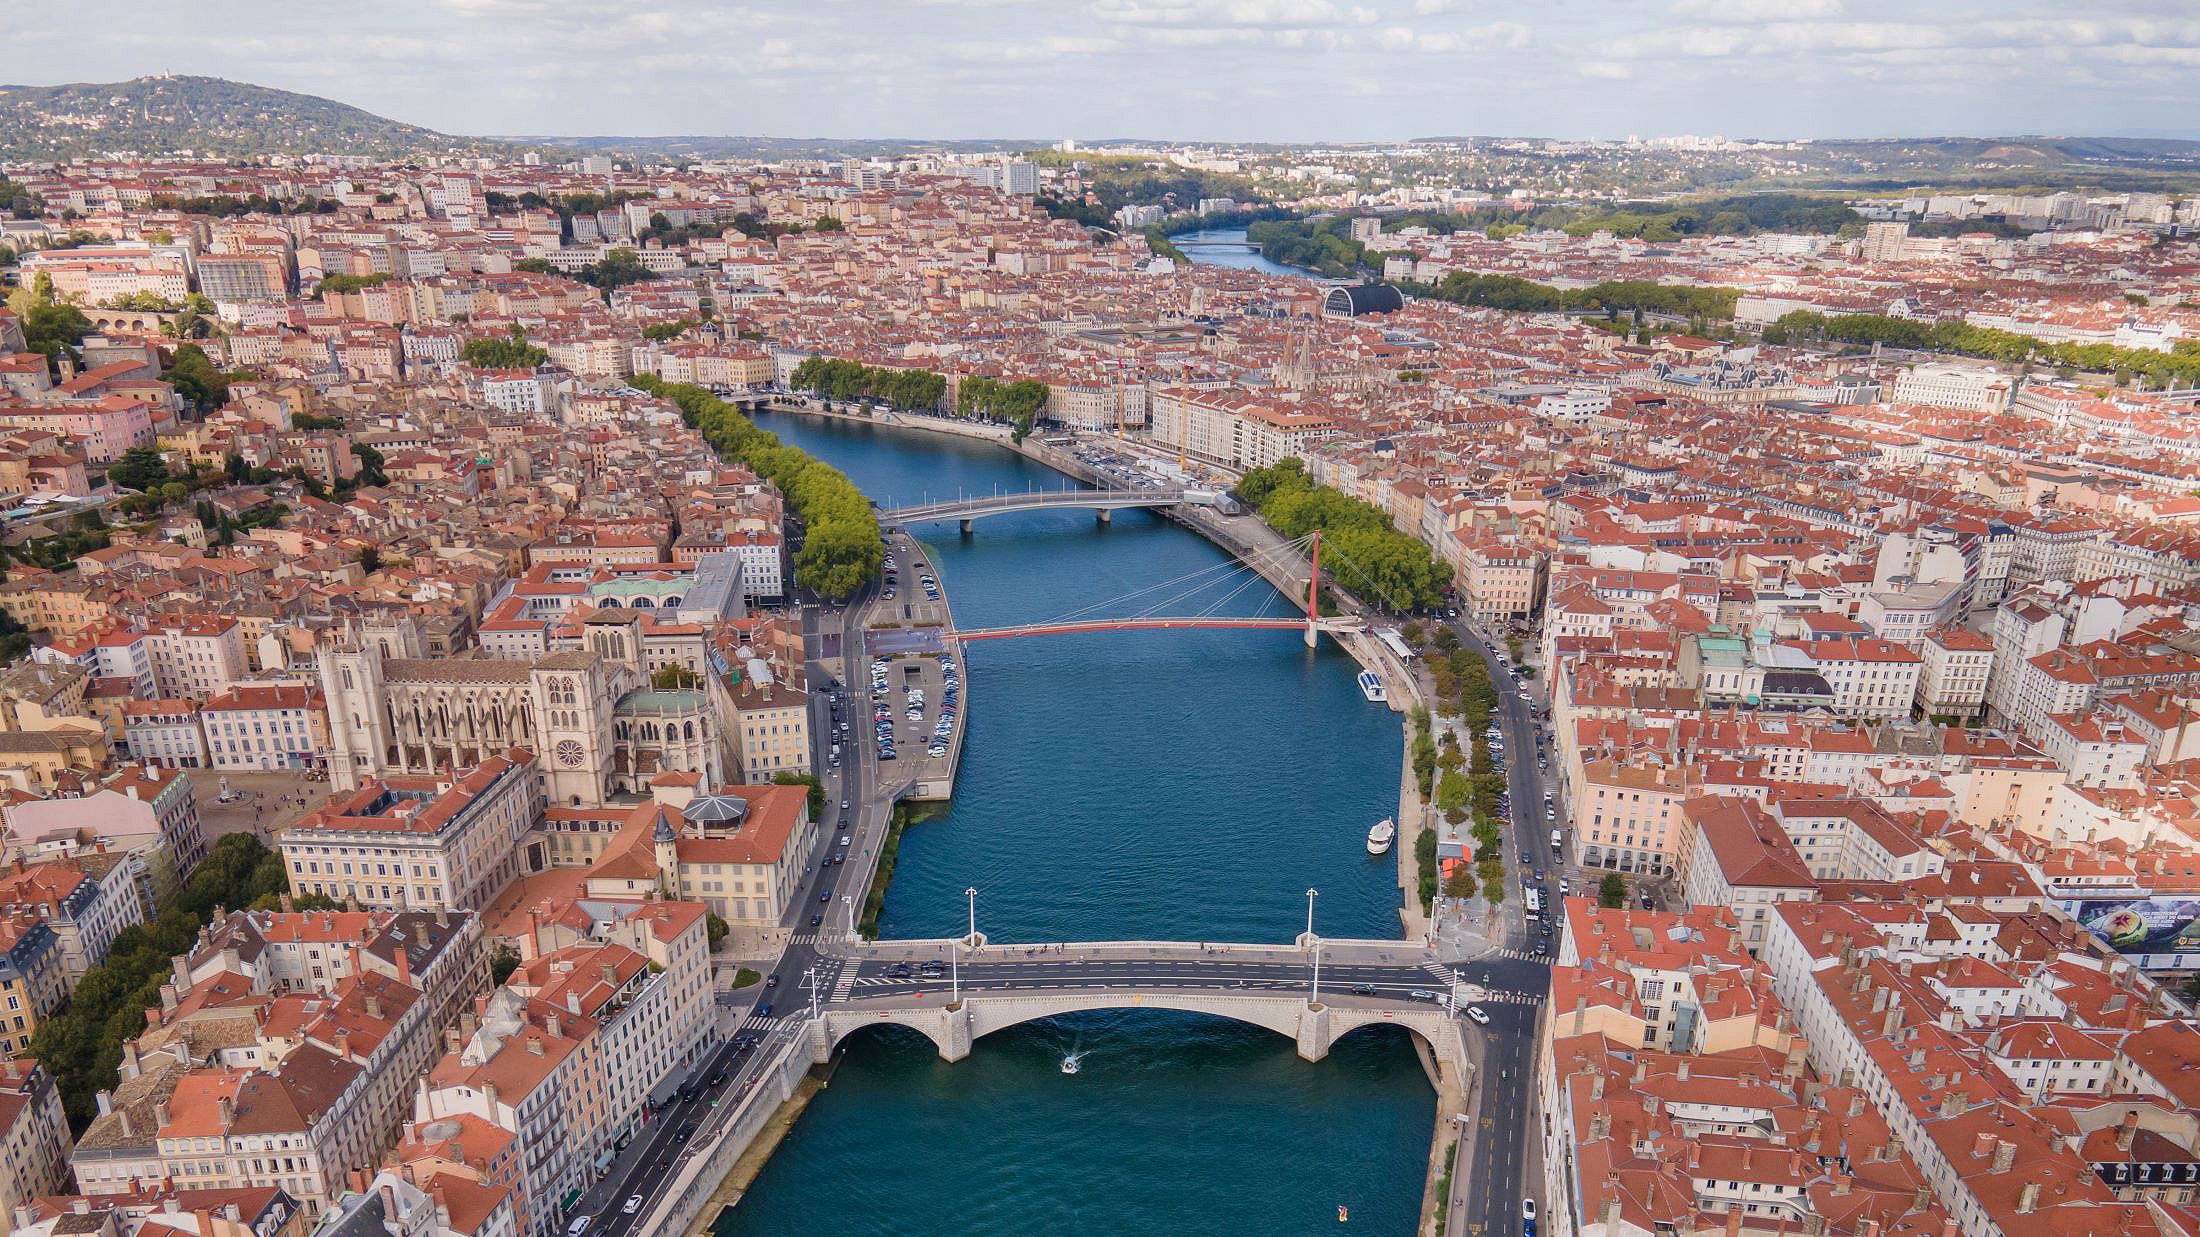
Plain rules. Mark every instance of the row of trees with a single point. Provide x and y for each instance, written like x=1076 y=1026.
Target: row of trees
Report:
x=1018 y=402
x=1740 y=215
x=841 y=546
x=1323 y=245
x=490 y=352
x=2180 y=365
x=1360 y=546
x=83 y=1044
x=915 y=389
x=659 y=332
x=1510 y=292
x=352 y=283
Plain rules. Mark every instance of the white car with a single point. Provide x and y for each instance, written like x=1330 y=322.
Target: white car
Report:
x=633 y=1204
x=1480 y=1015
x=1527 y=1209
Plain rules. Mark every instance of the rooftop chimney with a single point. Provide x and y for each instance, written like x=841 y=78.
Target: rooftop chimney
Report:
x=2028 y=1199
x=2128 y=1131
x=2005 y=1155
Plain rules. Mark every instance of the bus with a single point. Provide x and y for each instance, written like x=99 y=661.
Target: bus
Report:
x=1535 y=903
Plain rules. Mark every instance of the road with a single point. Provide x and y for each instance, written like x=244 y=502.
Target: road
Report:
x=1499 y=1157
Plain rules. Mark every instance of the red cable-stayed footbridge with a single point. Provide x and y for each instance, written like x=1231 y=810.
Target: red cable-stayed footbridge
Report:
x=1158 y=600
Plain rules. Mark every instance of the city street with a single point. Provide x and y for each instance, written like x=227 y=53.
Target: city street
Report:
x=1499 y=1157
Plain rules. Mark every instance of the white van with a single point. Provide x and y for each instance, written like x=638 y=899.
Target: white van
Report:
x=1557 y=843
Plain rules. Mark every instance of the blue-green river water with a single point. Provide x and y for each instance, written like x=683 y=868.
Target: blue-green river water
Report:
x=1154 y=785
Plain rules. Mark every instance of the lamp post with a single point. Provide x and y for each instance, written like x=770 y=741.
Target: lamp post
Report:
x=972 y=894
x=1310 y=896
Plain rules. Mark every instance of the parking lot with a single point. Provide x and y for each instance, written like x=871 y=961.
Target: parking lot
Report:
x=907 y=599
x=912 y=704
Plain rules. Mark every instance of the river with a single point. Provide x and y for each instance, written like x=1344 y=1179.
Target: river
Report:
x=1228 y=247
x=1125 y=785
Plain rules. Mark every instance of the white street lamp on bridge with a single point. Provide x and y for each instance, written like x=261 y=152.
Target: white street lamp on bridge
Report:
x=1316 y=998
x=1311 y=894
x=972 y=894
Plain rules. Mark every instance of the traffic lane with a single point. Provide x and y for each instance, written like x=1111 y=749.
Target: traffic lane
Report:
x=1505 y=1104
x=649 y=1151
x=658 y=1169
x=1221 y=974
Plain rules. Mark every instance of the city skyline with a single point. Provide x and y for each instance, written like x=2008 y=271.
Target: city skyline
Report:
x=1304 y=71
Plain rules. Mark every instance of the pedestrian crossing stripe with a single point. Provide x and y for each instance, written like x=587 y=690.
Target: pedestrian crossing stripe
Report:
x=1522 y=955
x=1504 y=997
x=759 y=1024
x=846 y=981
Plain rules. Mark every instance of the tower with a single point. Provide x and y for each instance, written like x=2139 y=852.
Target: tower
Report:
x=665 y=841
x=359 y=733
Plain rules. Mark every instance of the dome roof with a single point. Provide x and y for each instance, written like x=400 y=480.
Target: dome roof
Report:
x=717 y=809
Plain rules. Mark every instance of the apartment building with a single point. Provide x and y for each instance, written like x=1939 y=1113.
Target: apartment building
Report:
x=1629 y=818
x=266 y=727
x=1677 y=1097
x=1870 y=677
x=1935 y=1028
x=33 y=980
x=1235 y=430
x=34 y=1134
x=1735 y=855
x=85 y=903
x=243 y=1080
x=1955 y=667
x=419 y=843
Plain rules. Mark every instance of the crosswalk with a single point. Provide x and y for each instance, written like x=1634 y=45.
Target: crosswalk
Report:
x=841 y=985
x=1522 y=955
x=816 y=938
x=753 y=1023
x=1504 y=996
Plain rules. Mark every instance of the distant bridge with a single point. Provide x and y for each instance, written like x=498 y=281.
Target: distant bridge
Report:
x=977 y=506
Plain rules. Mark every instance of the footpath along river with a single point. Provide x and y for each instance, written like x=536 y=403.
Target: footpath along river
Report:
x=1184 y=785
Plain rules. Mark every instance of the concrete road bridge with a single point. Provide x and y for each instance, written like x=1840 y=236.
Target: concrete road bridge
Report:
x=1103 y=502
x=967 y=993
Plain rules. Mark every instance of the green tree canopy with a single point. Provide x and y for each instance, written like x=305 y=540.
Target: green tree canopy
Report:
x=195 y=378
x=486 y=352
x=1612 y=891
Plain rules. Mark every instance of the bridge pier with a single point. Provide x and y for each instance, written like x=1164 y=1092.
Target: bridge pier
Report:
x=969 y=526
x=1105 y=515
x=1314 y=1037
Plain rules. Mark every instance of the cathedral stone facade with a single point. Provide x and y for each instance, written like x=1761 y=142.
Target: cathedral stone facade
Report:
x=597 y=726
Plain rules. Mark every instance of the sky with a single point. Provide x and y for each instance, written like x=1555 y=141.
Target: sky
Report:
x=1193 y=70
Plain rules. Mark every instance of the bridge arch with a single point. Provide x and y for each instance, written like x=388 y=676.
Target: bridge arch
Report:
x=953 y=1032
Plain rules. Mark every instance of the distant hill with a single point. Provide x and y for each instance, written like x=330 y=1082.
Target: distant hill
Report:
x=204 y=115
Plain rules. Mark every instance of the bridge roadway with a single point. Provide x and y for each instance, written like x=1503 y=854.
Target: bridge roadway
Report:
x=1361 y=984
x=975 y=506
x=855 y=984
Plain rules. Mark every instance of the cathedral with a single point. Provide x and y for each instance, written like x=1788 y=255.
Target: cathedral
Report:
x=592 y=716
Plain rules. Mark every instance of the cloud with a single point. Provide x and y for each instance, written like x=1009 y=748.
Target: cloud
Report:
x=1604 y=69
x=1496 y=36
x=1233 y=13
x=1756 y=10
